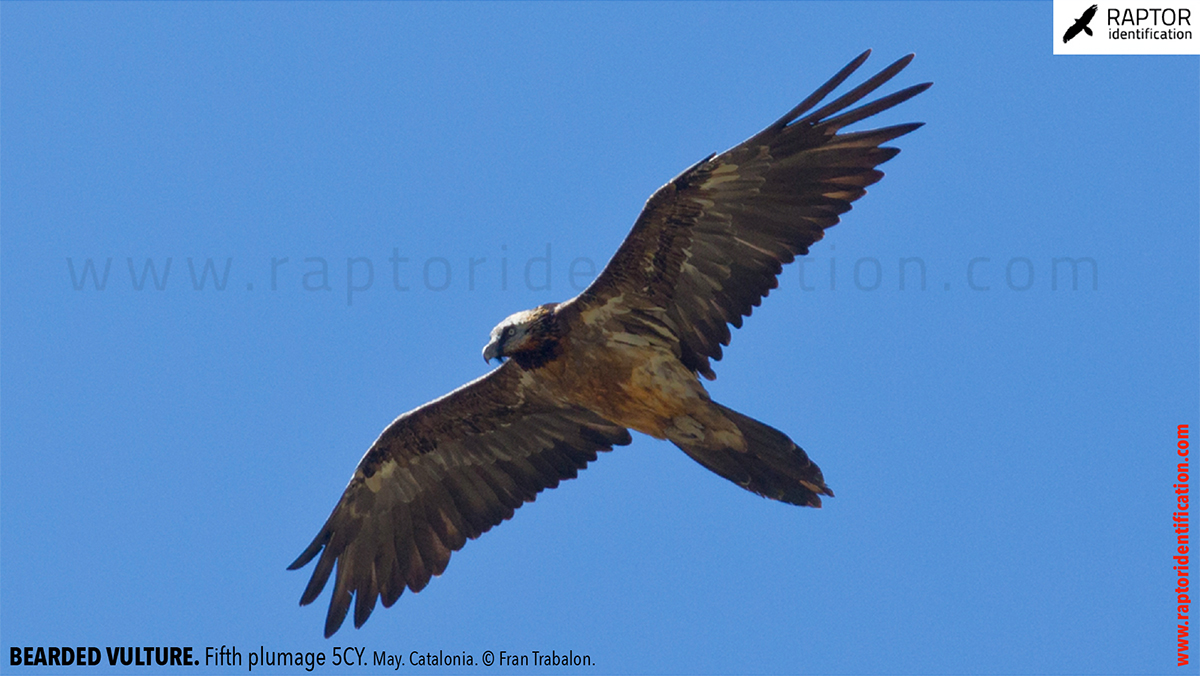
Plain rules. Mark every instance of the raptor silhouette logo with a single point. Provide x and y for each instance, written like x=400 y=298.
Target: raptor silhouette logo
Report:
x=1081 y=24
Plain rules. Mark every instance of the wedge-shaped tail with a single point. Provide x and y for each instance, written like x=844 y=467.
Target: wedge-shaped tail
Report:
x=772 y=464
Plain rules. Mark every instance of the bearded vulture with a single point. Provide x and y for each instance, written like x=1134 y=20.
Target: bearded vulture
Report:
x=626 y=354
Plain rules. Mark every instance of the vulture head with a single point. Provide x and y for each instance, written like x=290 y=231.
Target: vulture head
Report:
x=530 y=337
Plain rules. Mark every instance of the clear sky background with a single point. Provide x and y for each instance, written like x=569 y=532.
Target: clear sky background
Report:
x=1002 y=456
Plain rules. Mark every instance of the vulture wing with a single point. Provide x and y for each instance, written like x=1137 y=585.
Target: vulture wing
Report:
x=709 y=245
x=442 y=474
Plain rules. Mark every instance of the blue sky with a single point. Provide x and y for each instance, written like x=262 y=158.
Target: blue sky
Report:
x=1002 y=456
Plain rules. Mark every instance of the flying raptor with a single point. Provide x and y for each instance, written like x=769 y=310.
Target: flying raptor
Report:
x=625 y=354
x=1081 y=24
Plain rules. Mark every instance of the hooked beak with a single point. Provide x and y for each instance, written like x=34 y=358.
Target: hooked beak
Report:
x=492 y=351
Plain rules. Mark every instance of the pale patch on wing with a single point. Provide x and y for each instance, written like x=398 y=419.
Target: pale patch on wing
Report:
x=596 y=315
x=722 y=174
x=385 y=472
x=632 y=340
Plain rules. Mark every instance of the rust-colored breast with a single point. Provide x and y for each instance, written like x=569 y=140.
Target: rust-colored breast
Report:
x=643 y=387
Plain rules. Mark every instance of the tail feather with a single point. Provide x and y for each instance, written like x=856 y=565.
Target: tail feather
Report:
x=772 y=465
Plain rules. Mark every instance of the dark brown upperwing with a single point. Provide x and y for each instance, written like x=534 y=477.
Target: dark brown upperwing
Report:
x=442 y=474
x=709 y=245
